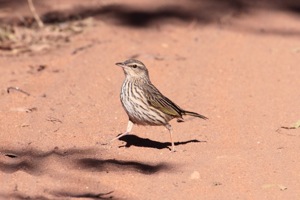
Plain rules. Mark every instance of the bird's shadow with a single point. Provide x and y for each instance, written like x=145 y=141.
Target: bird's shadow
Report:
x=133 y=140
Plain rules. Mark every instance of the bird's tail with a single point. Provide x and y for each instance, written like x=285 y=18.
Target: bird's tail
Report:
x=194 y=114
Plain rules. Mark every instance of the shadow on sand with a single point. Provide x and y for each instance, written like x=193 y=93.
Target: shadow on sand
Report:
x=199 y=12
x=37 y=163
x=133 y=140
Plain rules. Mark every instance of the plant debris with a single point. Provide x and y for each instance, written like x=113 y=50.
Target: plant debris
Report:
x=17 y=89
x=10 y=155
x=53 y=120
x=294 y=126
x=36 y=68
x=16 y=40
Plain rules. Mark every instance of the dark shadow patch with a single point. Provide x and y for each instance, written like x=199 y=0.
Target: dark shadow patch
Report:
x=25 y=165
x=21 y=196
x=133 y=140
x=10 y=155
x=121 y=14
x=196 y=12
x=12 y=4
x=31 y=160
x=295 y=9
x=35 y=162
x=119 y=165
x=107 y=195
x=59 y=195
x=201 y=12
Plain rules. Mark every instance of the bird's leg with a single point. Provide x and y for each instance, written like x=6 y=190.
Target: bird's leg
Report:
x=129 y=128
x=169 y=127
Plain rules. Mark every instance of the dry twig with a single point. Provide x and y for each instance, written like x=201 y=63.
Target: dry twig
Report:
x=35 y=15
x=17 y=89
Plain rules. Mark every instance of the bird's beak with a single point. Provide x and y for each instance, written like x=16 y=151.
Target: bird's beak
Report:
x=120 y=64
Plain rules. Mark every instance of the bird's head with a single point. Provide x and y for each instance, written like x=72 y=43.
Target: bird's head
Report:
x=134 y=68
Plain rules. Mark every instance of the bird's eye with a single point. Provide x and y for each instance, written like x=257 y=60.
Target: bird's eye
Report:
x=134 y=66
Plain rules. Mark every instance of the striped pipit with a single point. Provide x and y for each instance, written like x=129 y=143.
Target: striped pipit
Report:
x=143 y=102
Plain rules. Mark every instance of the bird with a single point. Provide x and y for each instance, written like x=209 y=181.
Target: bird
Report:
x=144 y=103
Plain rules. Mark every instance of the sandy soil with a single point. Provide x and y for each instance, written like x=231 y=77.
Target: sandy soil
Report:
x=236 y=63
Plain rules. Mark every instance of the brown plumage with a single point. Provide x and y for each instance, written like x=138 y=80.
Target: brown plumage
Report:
x=144 y=103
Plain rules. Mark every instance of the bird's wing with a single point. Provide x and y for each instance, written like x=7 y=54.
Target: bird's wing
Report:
x=162 y=103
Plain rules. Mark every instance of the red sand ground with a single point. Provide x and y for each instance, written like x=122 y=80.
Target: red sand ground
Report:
x=239 y=66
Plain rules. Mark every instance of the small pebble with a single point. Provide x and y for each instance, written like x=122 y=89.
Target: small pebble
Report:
x=195 y=175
